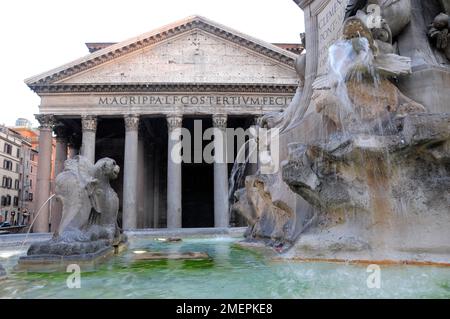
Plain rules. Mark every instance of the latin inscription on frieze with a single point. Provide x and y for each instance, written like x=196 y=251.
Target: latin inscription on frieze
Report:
x=194 y=100
x=330 y=21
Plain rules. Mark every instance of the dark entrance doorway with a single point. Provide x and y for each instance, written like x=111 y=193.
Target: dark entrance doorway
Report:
x=197 y=183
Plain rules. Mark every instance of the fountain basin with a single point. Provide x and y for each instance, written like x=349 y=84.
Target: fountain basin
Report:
x=232 y=272
x=51 y=263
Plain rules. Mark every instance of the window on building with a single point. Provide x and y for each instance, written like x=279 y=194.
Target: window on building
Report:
x=4 y=201
x=31 y=168
x=7 y=148
x=17 y=167
x=18 y=153
x=16 y=184
x=6 y=182
x=8 y=200
x=7 y=165
x=31 y=183
x=16 y=201
x=30 y=197
x=32 y=157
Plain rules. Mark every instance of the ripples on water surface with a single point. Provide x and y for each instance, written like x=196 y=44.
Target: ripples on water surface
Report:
x=232 y=272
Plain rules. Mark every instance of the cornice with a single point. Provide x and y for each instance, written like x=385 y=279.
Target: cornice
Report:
x=162 y=87
x=114 y=51
x=303 y=3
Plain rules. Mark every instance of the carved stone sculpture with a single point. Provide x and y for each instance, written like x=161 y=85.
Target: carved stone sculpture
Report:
x=268 y=220
x=361 y=91
x=396 y=14
x=439 y=32
x=90 y=208
x=382 y=191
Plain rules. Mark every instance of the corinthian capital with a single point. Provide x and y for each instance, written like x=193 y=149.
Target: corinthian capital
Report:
x=46 y=121
x=131 y=122
x=89 y=123
x=219 y=121
x=174 y=121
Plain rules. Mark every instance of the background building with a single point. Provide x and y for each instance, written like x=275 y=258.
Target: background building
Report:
x=29 y=164
x=126 y=99
x=19 y=154
x=12 y=146
x=23 y=127
x=22 y=122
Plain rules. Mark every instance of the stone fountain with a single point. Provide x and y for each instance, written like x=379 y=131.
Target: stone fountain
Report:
x=88 y=232
x=366 y=159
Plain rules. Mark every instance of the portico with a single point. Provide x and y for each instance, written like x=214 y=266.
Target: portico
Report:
x=130 y=100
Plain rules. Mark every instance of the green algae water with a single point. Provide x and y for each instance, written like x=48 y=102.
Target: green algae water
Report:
x=232 y=272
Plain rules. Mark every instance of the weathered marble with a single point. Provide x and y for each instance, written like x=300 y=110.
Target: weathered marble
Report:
x=44 y=173
x=428 y=84
x=186 y=58
x=174 y=192
x=379 y=191
x=130 y=181
x=60 y=158
x=89 y=128
x=369 y=103
x=269 y=220
x=221 y=210
x=88 y=230
x=368 y=188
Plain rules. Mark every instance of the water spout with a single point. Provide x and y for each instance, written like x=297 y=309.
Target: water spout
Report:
x=240 y=164
x=35 y=217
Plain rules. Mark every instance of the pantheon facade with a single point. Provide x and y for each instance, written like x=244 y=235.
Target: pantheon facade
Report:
x=123 y=101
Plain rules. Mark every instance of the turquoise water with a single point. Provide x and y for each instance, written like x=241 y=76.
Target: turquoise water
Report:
x=232 y=272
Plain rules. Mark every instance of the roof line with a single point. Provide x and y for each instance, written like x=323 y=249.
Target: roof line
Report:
x=154 y=36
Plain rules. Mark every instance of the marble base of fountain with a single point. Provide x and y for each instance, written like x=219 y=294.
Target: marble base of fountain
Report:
x=56 y=255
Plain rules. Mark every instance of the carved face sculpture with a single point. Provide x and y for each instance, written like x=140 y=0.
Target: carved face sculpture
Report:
x=441 y=21
x=107 y=167
x=355 y=28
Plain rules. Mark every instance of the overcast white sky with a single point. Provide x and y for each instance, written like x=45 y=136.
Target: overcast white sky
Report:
x=40 y=35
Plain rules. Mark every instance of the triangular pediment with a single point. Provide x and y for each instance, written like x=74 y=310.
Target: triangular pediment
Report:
x=194 y=50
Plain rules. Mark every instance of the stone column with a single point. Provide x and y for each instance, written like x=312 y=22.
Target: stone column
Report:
x=60 y=158
x=72 y=150
x=43 y=172
x=61 y=150
x=89 y=125
x=174 y=123
x=141 y=179
x=156 y=187
x=149 y=198
x=130 y=172
x=221 y=218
